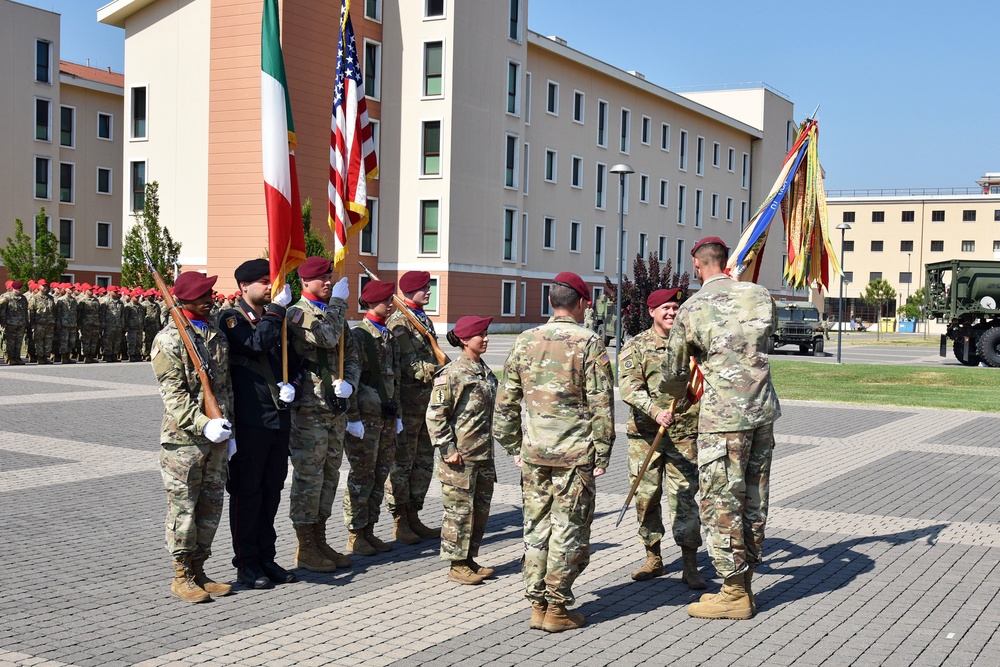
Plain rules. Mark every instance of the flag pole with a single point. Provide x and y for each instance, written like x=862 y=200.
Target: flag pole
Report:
x=340 y=361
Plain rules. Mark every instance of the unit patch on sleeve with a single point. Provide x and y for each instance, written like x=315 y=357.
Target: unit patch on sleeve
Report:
x=231 y=321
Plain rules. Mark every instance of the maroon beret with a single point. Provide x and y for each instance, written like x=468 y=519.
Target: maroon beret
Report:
x=314 y=267
x=707 y=240
x=17 y=284
x=192 y=285
x=470 y=326
x=414 y=281
x=662 y=296
x=574 y=282
x=375 y=291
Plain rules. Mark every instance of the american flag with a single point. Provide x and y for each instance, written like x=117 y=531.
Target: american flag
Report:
x=352 y=151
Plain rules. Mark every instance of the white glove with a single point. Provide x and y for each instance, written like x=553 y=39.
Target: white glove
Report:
x=218 y=430
x=342 y=389
x=286 y=392
x=232 y=449
x=342 y=289
x=357 y=429
x=399 y=426
x=284 y=297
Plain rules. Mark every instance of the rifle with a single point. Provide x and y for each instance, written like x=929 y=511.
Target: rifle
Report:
x=184 y=328
x=642 y=470
x=439 y=354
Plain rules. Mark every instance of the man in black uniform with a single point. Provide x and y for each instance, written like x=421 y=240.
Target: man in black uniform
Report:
x=259 y=466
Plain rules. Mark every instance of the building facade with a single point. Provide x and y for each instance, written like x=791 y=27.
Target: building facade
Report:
x=60 y=134
x=495 y=146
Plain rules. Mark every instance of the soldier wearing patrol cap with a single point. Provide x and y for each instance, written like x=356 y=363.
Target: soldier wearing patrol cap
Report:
x=726 y=327
x=560 y=375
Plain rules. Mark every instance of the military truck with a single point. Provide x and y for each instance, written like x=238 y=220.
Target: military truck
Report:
x=798 y=324
x=604 y=318
x=965 y=295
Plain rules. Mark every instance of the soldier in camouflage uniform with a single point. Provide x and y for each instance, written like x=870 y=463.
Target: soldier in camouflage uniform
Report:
x=134 y=315
x=42 y=321
x=150 y=322
x=376 y=406
x=413 y=468
x=675 y=463
x=89 y=318
x=193 y=445
x=725 y=327
x=561 y=374
x=14 y=317
x=62 y=312
x=315 y=325
x=113 y=319
x=74 y=295
x=460 y=422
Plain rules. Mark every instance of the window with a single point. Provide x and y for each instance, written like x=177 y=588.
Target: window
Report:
x=906 y=246
x=644 y=188
x=681 y=203
x=524 y=238
x=907 y=216
x=602 y=123
x=682 y=163
x=66 y=174
x=574 y=235
x=433 y=69
x=937 y=246
x=996 y=248
x=552 y=98
x=513 y=88
x=848 y=276
x=546 y=307
x=138 y=182
x=716 y=154
x=43 y=120
x=848 y=216
x=66 y=238
x=524 y=299
x=103 y=180
x=104 y=235
x=878 y=216
x=373 y=11
x=848 y=246
x=643 y=244
x=67 y=127
x=526 y=164
x=577 y=172
x=715 y=204
x=510 y=162
x=729 y=209
x=514 y=30
x=877 y=246
x=548 y=233
x=699 y=166
x=104 y=127
x=578 y=106
x=745 y=184
x=646 y=130
x=905 y=277
x=431 y=162
x=623 y=252
x=664 y=192
x=875 y=275
x=679 y=259
x=599 y=184
x=375 y=126
x=527 y=98
x=731 y=160
x=373 y=66
x=626 y=131
x=429 y=214
x=508 y=298
x=699 y=197
x=743 y=214
x=996 y=215
x=661 y=248
x=362 y=281
x=139 y=112
x=623 y=185
x=968 y=246
x=510 y=235
x=433 y=9
x=551 y=165
x=937 y=216
x=369 y=233
x=969 y=216
x=43 y=175
x=43 y=61
x=664 y=137
x=598 y=248
x=432 y=305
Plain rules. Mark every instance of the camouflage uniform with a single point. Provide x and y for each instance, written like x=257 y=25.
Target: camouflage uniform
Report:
x=65 y=308
x=726 y=326
x=14 y=314
x=562 y=374
x=317 y=441
x=134 y=315
x=113 y=319
x=193 y=468
x=89 y=318
x=42 y=318
x=371 y=457
x=460 y=419
x=675 y=462
x=411 y=472
x=150 y=324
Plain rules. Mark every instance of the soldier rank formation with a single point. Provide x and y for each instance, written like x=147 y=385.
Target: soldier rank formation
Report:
x=384 y=395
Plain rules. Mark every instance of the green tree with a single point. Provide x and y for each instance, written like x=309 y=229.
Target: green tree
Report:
x=650 y=276
x=877 y=293
x=19 y=254
x=30 y=261
x=147 y=235
x=914 y=306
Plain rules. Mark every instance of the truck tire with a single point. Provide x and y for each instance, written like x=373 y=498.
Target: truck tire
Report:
x=958 y=349
x=770 y=345
x=988 y=347
x=818 y=348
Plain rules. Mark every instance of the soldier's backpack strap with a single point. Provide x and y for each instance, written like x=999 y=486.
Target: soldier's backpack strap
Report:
x=374 y=368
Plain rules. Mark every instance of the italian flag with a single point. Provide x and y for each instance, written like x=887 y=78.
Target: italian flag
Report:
x=285 y=237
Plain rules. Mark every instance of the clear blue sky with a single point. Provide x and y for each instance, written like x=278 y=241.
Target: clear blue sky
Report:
x=908 y=90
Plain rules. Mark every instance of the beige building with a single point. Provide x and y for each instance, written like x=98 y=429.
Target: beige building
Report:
x=495 y=146
x=60 y=136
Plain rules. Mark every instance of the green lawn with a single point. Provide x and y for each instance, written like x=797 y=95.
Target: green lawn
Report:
x=962 y=388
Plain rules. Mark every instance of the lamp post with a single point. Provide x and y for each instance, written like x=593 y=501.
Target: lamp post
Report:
x=843 y=227
x=621 y=170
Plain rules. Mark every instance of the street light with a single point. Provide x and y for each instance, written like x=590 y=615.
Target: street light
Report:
x=843 y=227
x=621 y=170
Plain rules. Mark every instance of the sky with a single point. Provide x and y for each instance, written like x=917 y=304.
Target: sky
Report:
x=907 y=90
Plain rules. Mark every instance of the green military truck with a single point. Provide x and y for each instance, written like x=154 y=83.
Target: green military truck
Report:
x=604 y=318
x=965 y=295
x=798 y=324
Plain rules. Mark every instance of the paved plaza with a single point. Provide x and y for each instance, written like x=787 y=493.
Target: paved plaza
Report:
x=883 y=548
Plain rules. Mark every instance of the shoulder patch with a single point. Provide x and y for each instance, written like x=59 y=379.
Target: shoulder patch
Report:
x=441 y=379
x=231 y=321
x=396 y=333
x=297 y=316
x=626 y=352
x=604 y=358
x=627 y=364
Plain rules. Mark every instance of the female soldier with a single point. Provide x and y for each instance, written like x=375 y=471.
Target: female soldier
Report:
x=460 y=421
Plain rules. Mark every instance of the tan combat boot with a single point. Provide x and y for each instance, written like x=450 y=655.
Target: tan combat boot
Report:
x=653 y=567
x=731 y=602
x=203 y=580
x=484 y=572
x=557 y=619
x=307 y=554
x=538 y=614
x=747 y=578
x=357 y=544
x=401 y=530
x=324 y=547
x=418 y=527
x=691 y=576
x=184 y=586
x=461 y=573
x=380 y=546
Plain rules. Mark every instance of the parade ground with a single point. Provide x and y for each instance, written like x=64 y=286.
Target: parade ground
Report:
x=883 y=548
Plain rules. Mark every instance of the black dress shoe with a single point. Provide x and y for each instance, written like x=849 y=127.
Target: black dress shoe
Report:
x=253 y=577
x=277 y=574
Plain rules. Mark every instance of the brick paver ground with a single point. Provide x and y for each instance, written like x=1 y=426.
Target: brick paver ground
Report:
x=883 y=549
